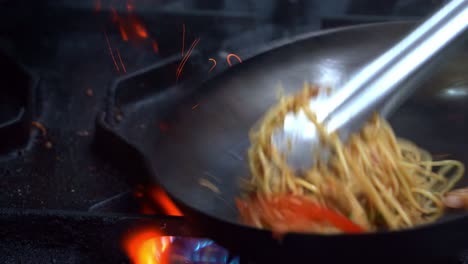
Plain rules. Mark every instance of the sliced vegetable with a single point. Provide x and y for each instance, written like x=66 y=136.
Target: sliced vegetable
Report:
x=287 y=212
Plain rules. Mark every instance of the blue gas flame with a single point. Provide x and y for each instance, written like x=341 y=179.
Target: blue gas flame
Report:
x=199 y=250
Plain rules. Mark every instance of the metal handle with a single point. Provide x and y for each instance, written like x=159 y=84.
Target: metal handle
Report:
x=389 y=79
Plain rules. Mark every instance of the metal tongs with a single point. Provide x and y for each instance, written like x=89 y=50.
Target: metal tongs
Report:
x=380 y=87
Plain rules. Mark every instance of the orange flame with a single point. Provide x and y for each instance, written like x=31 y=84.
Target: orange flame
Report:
x=146 y=246
x=228 y=58
x=165 y=202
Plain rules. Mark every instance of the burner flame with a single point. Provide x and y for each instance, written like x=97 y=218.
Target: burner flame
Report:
x=146 y=246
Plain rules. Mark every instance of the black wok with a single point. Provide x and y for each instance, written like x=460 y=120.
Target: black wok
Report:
x=210 y=142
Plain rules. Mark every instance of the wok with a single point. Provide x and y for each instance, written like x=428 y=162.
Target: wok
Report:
x=210 y=142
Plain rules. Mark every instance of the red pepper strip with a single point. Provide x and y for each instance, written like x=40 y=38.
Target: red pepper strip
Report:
x=289 y=210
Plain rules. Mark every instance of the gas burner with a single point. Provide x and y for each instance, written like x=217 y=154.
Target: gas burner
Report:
x=58 y=236
x=17 y=106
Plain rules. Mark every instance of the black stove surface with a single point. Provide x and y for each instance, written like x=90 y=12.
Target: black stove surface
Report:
x=69 y=51
x=67 y=190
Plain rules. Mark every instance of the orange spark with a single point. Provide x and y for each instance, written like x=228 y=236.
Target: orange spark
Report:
x=123 y=33
x=41 y=127
x=97 y=6
x=89 y=92
x=110 y=51
x=120 y=59
x=130 y=7
x=185 y=59
x=214 y=64
x=163 y=200
x=183 y=39
x=146 y=246
x=155 y=46
x=228 y=58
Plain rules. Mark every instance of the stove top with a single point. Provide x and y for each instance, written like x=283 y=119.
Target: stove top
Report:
x=71 y=187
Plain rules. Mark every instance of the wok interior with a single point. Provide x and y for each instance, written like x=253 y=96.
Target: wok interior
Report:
x=210 y=142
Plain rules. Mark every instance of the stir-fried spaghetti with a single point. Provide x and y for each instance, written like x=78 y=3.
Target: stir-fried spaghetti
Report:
x=372 y=181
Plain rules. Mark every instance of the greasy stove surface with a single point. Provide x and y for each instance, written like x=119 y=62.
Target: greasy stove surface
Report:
x=66 y=174
x=76 y=51
x=60 y=170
